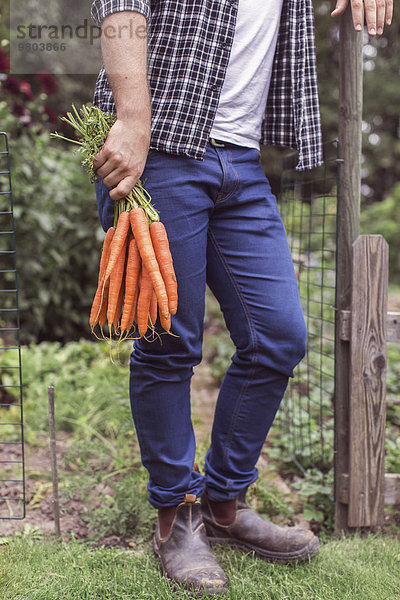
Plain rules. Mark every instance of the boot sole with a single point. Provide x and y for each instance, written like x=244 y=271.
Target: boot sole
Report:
x=283 y=557
x=200 y=593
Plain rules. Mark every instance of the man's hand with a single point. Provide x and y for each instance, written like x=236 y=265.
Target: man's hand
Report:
x=377 y=13
x=121 y=161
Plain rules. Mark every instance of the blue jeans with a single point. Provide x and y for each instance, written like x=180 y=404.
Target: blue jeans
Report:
x=225 y=230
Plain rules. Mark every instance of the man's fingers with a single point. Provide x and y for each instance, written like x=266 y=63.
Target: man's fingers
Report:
x=114 y=178
x=114 y=164
x=389 y=11
x=380 y=16
x=370 y=16
x=378 y=13
x=356 y=11
x=340 y=7
x=358 y=14
x=123 y=188
x=107 y=168
x=99 y=159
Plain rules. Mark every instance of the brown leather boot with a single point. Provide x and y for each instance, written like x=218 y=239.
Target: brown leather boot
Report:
x=166 y=517
x=185 y=553
x=251 y=532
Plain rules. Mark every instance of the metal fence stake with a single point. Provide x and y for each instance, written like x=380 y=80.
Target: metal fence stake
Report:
x=54 y=473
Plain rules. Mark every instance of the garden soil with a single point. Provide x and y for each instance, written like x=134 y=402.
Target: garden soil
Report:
x=38 y=491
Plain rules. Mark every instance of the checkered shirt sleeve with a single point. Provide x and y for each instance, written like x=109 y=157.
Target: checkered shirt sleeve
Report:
x=189 y=43
x=292 y=116
x=102 y=8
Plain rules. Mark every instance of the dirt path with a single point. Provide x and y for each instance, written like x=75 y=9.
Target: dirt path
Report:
x=39 y=507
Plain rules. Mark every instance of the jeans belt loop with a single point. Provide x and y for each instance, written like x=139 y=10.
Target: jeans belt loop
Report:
x=216 y=143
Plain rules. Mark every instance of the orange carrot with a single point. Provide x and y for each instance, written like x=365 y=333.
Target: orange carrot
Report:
x=116 y=283
x=165 y=322
x=118 y=309
x=130 y=320
x=103 y=308
x=131 y=282
x=153 y=309
x=118 y=242
x=105 y=254
x=134 y=307
x=164 y=259
x=96 y=305
x=140 y=228
x=98 y=299
x=143 y=303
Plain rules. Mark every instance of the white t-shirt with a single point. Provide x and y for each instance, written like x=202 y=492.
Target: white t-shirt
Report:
x=241 y=107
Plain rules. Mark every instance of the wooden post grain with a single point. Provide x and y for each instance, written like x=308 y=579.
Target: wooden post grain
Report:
x=368 y=381
x=350 y=120
x=391 y=489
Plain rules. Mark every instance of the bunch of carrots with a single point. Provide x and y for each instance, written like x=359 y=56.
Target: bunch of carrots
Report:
x=136 y=275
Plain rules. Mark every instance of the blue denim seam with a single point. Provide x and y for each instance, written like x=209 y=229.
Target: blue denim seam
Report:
x=224 y=174
x=254 y=353
x=219 y=199
x=236 y=185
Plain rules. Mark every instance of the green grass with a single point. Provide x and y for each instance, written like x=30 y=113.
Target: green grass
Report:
x=347 y=569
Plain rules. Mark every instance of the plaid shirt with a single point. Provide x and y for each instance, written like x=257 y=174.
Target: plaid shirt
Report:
x=189 y=47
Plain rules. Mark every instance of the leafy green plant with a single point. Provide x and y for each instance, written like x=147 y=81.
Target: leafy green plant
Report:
x=91 y=393
x=31 y=533
x=218 y=351
x=392 y=448
x=302 y=435
x=315 y=490
x=58 y=236
x=393 y=372
x=125 y=512
x=269 y=500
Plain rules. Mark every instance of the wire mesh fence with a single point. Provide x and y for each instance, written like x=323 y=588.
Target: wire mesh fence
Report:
x=308 y=205
x=12 y=473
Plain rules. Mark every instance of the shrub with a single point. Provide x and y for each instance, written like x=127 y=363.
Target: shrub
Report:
x=57 y=231
x=58 y=240
x=58 y=236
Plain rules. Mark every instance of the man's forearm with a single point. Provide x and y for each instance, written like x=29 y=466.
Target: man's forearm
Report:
x=124 y=47
x=124 y=50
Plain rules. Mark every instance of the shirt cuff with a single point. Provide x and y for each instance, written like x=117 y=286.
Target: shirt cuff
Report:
x=102 y=8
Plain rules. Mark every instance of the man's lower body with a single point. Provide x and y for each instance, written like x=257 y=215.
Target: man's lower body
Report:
x=225 y=230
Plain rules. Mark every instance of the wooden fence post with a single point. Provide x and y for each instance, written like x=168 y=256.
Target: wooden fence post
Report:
x=368 y=381
x=350 y=120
